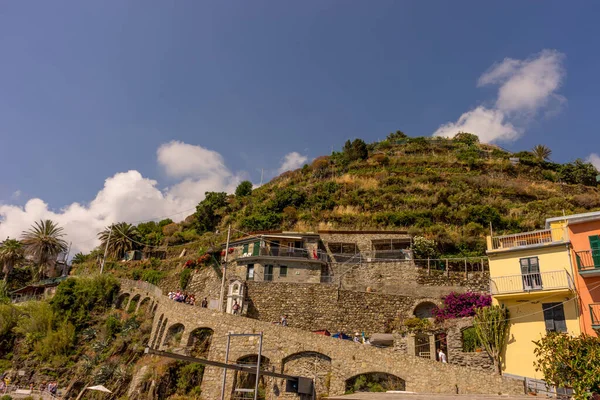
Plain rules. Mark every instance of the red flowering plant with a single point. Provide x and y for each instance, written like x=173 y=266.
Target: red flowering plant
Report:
x=190 y=264
x=461 y=305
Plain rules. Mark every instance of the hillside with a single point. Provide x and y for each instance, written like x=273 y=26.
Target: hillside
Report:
x=449 y=190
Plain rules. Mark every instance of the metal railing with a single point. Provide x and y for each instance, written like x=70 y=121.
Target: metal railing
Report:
x=595 y=314
x=373 y=256
x=288 y=253
x=534 y=238
x=531 y=282
x=588 y=259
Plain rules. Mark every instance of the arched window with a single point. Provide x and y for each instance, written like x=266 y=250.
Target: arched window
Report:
x=425 y=310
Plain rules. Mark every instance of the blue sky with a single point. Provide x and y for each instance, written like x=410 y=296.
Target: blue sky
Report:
x=92 y=90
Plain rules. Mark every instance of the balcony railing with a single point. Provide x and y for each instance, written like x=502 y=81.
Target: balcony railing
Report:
x=588 y=259
x=540 y=281
x=525 y=239
x=289 y=253
x=595 y=314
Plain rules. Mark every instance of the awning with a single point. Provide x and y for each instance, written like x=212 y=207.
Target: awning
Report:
x=382 y=339
x=283 y=237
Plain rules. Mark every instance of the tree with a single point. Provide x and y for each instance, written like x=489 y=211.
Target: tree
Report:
x=243 y=189
x=467 y=138
x=424 y=248
x=43 y=242
x=541 y=152
x=491 y=325
x=207 y=217
x=578 y=172
x=80 y=258
x=569 y=361
x=124 y=237
x=11 y=253
x=395 y=136
x=356 y=150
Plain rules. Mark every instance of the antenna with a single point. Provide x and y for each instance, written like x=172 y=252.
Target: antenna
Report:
x=262 y=170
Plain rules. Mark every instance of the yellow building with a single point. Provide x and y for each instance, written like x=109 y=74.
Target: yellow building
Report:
x=531 y=274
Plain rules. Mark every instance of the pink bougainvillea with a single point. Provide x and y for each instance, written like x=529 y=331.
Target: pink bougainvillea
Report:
x=460 y=305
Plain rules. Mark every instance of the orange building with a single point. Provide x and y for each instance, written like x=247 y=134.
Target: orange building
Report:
x=584 y=235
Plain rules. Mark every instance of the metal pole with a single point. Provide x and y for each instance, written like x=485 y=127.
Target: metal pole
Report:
x=105 y=250
x=225 y=369
x=221 y=297
x=258 y=366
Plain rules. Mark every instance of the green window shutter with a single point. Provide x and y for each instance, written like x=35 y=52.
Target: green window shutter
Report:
x=548 y=316
x=595 y=246
x=524 y=265
x=245 y=249
x=534 y=266
x=256 y=249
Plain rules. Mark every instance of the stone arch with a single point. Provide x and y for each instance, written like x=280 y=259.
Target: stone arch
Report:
x=157 y=331
x=154 y=309
x=122 y=300
x=425 y=309
x=161 y=331
x=310 y=364
x=174 y=334
x=374 y=382
x=133 y=302
x=199 y=341
x=145 y=305
x=246 y=380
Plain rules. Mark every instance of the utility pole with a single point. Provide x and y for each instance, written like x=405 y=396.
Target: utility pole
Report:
x=262 y=171
x=105 y=250
x=224 y=269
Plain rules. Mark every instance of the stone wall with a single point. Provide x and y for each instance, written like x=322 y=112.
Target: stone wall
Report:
x=322 y=306
x=338 y=360
x=362 y=239
x=456 y=355
x=471 y=281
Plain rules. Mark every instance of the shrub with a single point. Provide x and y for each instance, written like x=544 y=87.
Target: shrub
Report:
x=56 y=343
x=261 y=222
x=170 y=229
x=190 y=377
x=355 y=150
x=460 y=305
x=244 y=189
x=424 y=248
x=395 y=136
x=184 y=278
x=153 y=276
x=207 y=217
x=113 y=325
x=417 y=324
x=466 y=138
x=381 y=159
x=578 y=172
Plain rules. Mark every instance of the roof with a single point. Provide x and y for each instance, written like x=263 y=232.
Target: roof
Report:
x=42 y=284
x=575 y=218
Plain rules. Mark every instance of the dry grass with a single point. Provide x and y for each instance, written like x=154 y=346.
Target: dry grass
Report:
x=364 y=183
x=347 y=210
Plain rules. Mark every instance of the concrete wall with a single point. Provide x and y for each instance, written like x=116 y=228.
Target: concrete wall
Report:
x=284 y=344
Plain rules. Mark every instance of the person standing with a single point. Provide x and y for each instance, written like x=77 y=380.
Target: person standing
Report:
x=284 y=320
x=204 y=303
x=236 y=308
x=442 y=357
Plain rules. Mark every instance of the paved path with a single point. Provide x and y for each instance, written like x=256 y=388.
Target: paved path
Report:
x=412 y=396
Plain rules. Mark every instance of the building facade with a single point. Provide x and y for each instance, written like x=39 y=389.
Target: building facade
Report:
x=531 y=274
x=584 y=235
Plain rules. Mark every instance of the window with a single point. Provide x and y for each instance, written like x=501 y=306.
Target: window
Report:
x=470 y=340
x=268 y=272
x=250 y=272
x=256 y=249
x=245 y=250
x=595 y=247
x=282 y=271
x=554 y=317
x=530 y=270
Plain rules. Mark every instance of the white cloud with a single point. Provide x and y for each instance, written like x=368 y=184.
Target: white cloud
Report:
x=292 y=161
x=594 y=159
x=128 y=196
x=526 y=87
x=488 y=124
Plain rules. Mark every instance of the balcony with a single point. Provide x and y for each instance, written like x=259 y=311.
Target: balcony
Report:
x=518 y=241
x=287 y=252
x=595 y=314
x=588 y=262
x=530 y=283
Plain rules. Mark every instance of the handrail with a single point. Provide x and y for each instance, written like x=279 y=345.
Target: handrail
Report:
x=587 y=259
x=532 y=238
x=537 y=281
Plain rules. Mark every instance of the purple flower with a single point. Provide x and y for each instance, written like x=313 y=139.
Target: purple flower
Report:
x=460 y=305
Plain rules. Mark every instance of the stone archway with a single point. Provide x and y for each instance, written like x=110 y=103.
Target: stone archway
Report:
x=310 y=364
x=145 y=305
x=174 y=334
x=425 y=309
x=245 y=380
x=133 y=303
x=161 y=331
x=122 y=301
x=157 y=333
x=374 y=382
x=199 y=342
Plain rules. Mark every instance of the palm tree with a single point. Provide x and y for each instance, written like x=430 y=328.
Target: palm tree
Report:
x=124 y=237
x=80 y=258
x=43 y=242
x=11 y=253
x=541 y=152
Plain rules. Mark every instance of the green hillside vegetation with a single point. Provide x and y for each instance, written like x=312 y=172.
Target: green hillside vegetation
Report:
x=449 y=190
